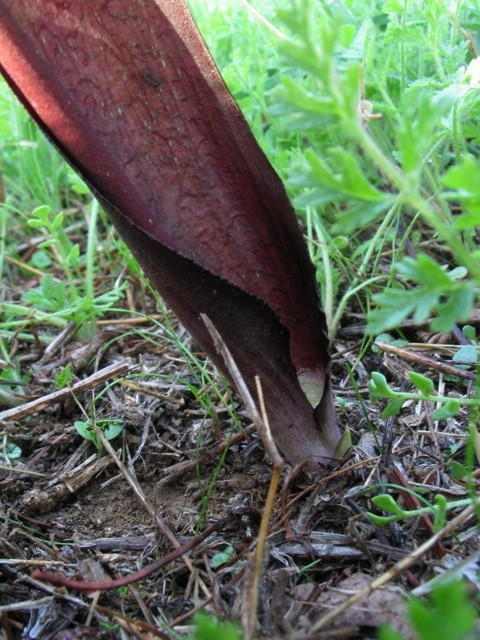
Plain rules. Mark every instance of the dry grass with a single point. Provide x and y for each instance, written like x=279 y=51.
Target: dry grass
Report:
x=68 y=511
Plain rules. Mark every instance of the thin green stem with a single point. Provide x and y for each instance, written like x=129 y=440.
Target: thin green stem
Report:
x=343 y=302
x=378 y=234
x=433 y=398
x=3 y=235
x=458 y=139
x=33 y=316
x=409 y=195
x=22 y=335
x=435 y=219
x=207 y=495
x=89 y=328
x=389 y=169
x=354 y=289
x=414 y=513
x=403 y=71
x=327 y=289
x=473 y=444
x=90 y=254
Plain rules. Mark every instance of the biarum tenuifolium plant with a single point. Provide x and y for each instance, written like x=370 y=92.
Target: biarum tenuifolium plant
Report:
x=209 y=222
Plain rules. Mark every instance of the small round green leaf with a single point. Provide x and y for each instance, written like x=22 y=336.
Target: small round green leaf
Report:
x=392 y=408
x=113 y=430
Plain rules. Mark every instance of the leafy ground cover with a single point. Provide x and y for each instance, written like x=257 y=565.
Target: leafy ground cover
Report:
x=369 y=112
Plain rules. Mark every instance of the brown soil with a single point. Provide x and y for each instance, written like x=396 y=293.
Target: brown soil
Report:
x=70 y=512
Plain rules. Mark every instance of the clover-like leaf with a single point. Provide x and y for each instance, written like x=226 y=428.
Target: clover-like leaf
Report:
x=449 y=409
x=379 y=387
x=423 y=384
x=387 y=503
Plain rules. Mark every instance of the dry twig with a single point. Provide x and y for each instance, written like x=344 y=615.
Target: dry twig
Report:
x=260 y=419
x=143 y=573
x=397 y=568
x=431 y=363
x=39 y=404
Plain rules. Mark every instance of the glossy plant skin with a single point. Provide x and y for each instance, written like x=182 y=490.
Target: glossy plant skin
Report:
x=129 y=94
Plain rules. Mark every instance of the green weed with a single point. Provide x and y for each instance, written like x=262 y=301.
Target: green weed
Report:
x=447 y=614
x=438 y=509
x=60 y=300
x=49 y=217
x=111 y=429
x=222 y=557
x=209 y=628
x=386 y=121
x=9 y=450
x=379 y=388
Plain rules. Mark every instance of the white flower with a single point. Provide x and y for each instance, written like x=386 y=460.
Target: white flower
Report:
x=472 y=73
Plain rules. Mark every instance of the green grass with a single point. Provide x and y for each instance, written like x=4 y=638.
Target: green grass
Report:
x=389 y=199
x=363 y=188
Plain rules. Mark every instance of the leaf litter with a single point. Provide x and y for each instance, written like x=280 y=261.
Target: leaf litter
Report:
x=64 y=504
